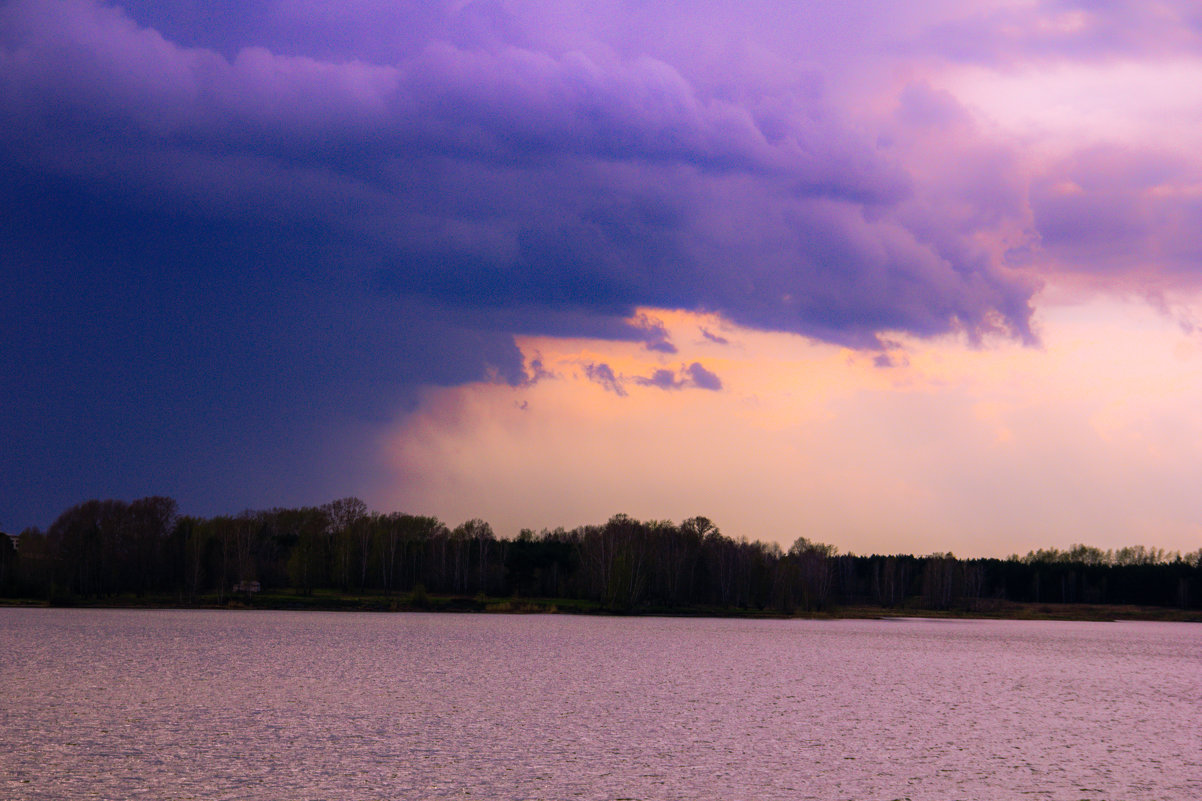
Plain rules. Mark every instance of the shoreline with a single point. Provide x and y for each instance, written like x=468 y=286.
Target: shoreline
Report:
x=984 y=610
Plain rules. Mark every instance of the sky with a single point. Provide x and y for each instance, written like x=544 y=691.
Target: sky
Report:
x=916 y=277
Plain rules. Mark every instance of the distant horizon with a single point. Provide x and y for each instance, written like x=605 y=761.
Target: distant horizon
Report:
x=1161 y=554
x=101 y=551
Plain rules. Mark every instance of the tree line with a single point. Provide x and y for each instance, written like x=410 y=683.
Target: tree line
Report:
x=100 y=549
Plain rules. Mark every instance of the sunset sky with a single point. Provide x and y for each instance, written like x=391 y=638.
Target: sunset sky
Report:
x=900 y=277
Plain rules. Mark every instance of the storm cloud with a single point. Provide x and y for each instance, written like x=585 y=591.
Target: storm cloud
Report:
x=257 y=229
x=499 y=177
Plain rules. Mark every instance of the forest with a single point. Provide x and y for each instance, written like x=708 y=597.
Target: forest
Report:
x=146 y=549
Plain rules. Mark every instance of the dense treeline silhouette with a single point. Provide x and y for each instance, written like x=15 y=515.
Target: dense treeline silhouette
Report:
x=101 y=549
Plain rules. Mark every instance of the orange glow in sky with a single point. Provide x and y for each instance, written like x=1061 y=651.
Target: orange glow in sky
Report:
x=1090 y=437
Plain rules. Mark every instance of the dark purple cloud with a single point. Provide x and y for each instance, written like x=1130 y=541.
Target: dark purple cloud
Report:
x=537 y=372
x=499 y=178
x=655 y=335
x=702 y=378
x=694 y=375
x=664 y=379
x=604 y=375
x=241 y=235
x=691 y=376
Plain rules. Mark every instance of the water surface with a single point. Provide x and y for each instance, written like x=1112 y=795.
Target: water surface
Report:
x=309 y=705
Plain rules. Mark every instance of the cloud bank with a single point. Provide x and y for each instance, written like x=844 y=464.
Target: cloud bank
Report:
x=251 y=233
x=497 y=176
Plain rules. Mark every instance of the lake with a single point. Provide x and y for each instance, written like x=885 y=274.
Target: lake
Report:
x=156 y=704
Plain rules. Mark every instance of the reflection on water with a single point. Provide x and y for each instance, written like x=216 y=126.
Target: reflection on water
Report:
x=298 y=705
